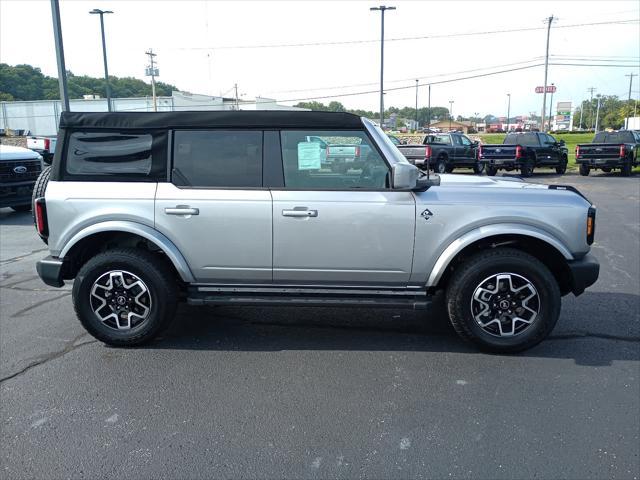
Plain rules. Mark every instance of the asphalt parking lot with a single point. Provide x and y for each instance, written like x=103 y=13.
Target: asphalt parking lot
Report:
x=325 y=393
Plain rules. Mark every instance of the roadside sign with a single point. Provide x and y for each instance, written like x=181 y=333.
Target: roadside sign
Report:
x=550 y=89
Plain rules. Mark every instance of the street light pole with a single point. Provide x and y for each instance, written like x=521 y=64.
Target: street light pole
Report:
x=551 y=106
x=631 y=75
x=429 y=109
x=62 y=71
x=97 y=11
x=382 y=9
x=546 y=71
x=417 y=105
x=508 y=110
x=450 y=113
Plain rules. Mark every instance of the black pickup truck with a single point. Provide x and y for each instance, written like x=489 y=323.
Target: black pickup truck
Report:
x=443 y=152
x=524 y=151
x=609 y=150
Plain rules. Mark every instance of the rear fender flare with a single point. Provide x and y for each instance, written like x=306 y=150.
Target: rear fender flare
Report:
x=144 y=231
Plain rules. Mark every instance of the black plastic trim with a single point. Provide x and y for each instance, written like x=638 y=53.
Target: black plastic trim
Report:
x=584 y=273
x=50 y=271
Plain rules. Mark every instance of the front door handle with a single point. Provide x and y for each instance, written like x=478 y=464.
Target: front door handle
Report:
x=182 y=210
x=299 y=213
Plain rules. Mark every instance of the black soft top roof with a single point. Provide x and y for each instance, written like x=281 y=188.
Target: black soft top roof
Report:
x=206 y=119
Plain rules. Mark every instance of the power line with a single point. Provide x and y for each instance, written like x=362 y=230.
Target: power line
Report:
x=402 y=39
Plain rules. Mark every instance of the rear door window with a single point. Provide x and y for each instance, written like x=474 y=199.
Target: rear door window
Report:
x=218 y=158
x=109 y=153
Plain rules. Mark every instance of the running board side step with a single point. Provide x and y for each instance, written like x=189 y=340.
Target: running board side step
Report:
x=302 y=297
x=311 y=301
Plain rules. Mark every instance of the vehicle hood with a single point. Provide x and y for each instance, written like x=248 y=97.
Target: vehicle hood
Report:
x=11 y=153
x=449 y=180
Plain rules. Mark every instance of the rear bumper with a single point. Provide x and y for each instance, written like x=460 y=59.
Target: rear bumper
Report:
x=584 y=273
x=500 y=162
x=601 y=162
x=50 y=271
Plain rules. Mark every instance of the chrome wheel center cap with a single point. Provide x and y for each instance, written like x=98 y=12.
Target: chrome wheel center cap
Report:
x=504 y=304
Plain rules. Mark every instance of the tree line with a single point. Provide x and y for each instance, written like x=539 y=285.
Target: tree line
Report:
x=613 y=112
x=24 y=82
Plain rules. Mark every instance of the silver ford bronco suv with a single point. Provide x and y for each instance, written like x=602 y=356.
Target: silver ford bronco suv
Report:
x=145 y=210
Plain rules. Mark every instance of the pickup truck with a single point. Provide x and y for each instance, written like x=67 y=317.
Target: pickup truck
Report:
x=444 y=152
x=45 y=146
x=524 y=151
x=609 y=150
x=19 y=169
x=234 y=208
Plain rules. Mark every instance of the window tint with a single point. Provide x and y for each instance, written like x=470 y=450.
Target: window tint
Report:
x=457 y=140
x=528 y=139
x=549 y=139
x=600 y=138
x=465 y=141
x=446 y=139
x=109 y=154
x=349 y=161
x=217 y=158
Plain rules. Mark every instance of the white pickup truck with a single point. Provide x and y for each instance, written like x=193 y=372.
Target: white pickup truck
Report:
x=45 y=146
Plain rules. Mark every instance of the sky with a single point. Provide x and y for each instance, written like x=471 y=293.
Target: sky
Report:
x=197 y=48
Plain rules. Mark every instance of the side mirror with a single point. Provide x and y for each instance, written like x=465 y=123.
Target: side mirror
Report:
x=47 y=159
x=476 y=143
x=404 y=176
x=561 y=142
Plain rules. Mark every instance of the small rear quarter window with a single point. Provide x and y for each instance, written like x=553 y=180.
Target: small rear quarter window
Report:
x=109 y=153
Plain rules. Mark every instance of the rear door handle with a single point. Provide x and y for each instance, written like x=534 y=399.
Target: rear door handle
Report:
x=182 y=210
x=299 y=213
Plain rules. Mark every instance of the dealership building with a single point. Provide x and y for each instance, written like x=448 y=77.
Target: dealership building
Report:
x=40 y=117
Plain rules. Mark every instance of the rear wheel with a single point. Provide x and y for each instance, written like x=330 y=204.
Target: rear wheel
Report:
x=626 y=168
x=526 y=170
x=503 y=300
x=478 y=168
x=441 y=165
x=492 y=171
x=125 y=297
x=584 y=169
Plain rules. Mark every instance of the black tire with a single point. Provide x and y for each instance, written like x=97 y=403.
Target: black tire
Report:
x=441 y=165
x=478 y=269
x=156 y=275
x=39 y=189
x=526 y=170
x=492 y=171
x=21 y=208
x=626 y=168
x=584 y=169
x=478 y=168
x=562 y=168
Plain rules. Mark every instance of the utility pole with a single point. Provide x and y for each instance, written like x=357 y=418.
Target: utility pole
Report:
x=62 y=71
x=581 y=110
x=631 y=75
x=429 y=109
x=417 y=124
x=546 y=71
x=591 y=90
x=97 y=11
x=597 y=115
x=508 y=109
x=450 y=113
x=235 y=86
x=382 y=9
x=152 y=71
x=551 y=106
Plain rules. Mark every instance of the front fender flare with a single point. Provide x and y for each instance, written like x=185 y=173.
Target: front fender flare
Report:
x=455 y=247
x=144 y=231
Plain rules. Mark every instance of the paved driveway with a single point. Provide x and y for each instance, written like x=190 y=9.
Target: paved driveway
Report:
x=325 y=393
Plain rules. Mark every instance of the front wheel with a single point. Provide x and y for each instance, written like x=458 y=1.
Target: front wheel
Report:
x=584 y=169
x=503 y=300
x=125 y=297
x=562 y=168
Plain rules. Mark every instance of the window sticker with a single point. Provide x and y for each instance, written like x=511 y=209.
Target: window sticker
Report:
x=309 y=156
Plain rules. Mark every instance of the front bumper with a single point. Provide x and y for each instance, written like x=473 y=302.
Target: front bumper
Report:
x=584 y=273
x=50 y=271
x=15 y=194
